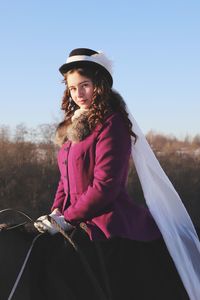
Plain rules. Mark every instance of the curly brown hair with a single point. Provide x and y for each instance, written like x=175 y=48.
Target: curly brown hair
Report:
x=105 y=100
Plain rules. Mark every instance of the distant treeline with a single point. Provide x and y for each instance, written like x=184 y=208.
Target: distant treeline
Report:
x=29 y=172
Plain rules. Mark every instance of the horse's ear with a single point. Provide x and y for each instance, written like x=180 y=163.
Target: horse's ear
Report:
x=3 y=226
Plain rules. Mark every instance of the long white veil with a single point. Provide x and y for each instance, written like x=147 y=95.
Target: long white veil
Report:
x=169 y=213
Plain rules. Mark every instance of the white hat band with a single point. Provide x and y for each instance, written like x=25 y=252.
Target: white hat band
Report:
x=98 y=58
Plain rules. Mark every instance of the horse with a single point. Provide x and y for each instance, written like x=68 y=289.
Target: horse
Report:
x=55 y=267
x=69 y=267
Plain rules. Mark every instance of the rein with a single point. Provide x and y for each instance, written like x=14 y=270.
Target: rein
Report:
x=23 y=267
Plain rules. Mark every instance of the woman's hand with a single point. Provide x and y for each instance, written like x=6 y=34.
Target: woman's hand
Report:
x=56 y=211
x=60 y=220
x=42 y=224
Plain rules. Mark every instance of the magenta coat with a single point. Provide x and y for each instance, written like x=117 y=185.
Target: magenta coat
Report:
x=93 y=174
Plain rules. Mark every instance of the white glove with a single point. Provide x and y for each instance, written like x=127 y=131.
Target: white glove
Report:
x=42 y=224
x=59 y=218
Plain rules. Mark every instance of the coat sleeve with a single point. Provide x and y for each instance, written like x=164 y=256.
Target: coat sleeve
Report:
x=59 y=197
x=112 y=154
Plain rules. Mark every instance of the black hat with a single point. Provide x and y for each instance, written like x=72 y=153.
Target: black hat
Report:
x=82 y=57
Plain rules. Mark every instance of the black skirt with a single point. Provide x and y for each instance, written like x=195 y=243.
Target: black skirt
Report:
x=117 y=268
x=142 y=270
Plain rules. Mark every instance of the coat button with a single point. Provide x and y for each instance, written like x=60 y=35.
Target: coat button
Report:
x=83 y=226
x=64 y=162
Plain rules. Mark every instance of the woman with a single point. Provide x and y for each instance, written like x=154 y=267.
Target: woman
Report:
x=95 y=138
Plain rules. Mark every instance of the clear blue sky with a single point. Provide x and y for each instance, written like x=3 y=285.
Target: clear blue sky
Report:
x=155 y=46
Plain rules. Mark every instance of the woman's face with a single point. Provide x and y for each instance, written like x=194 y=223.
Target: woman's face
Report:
x=81 y=89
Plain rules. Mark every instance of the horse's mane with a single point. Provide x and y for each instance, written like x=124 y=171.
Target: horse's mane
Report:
x=24 y=227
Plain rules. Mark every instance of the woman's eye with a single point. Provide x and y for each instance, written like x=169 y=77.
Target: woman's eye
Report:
x=72 y=89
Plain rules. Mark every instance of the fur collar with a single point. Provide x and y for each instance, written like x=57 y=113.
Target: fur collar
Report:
x=79 y=128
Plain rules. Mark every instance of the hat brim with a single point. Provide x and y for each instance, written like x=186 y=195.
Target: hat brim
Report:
x=79 y=64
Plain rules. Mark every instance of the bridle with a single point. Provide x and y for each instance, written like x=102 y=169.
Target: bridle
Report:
x=17 y=225
x=92 y=276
